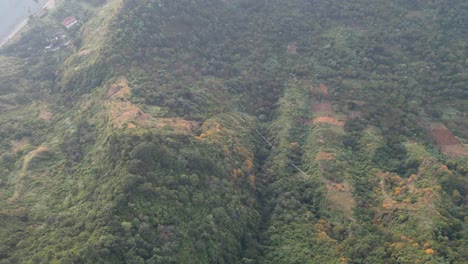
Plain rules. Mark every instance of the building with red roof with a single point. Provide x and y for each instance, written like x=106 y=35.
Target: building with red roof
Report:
x=69 y=22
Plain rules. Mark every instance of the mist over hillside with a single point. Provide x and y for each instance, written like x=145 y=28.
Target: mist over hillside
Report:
x=240 y=131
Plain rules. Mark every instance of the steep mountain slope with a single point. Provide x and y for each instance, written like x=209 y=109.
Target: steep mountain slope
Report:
x=209 y=131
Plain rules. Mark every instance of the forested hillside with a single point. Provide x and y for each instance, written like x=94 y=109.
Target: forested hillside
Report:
x=240 y=131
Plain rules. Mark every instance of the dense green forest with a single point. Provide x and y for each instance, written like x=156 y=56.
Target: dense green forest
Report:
x=240 y=131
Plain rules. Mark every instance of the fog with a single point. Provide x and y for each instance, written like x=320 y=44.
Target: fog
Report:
x=12 y=12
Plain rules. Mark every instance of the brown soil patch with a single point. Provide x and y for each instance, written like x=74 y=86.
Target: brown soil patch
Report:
x=447 y=142
x=83 y=52
x=321 y=90
x=45 y=115
x=441 y=135
x=17 y=145
x=292 y=48
x=178 y=123
x=327 y=120
x=325 y=156
x=124 y=111
x=454 y=151
x=324 y=107
x=119 y=89
x=39 y=150
x=341 y=187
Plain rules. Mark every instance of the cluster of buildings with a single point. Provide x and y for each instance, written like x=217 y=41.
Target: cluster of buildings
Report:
x=59 y=39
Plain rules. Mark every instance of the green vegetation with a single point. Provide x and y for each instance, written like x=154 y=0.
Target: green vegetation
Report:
x=140 y=135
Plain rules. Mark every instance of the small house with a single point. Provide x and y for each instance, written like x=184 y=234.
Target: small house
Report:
x=69 y=22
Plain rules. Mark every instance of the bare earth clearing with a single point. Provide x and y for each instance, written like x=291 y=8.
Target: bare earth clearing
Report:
x=339 y=194
x=447 y=142
x=124 y=113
